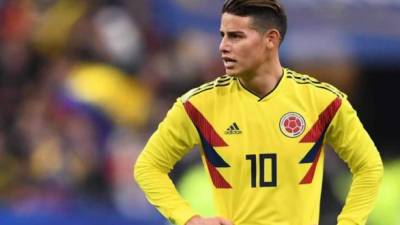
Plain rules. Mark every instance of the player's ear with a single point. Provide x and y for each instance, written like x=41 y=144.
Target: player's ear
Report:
x=272 y=38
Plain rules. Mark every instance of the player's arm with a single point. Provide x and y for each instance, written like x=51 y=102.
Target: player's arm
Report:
x=353 y=145
x=175 y=136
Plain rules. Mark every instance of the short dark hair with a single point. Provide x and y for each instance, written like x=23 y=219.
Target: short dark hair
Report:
x=266 y=14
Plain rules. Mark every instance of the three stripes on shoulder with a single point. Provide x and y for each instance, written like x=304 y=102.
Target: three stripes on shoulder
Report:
x=219 y=82
x=305 y=79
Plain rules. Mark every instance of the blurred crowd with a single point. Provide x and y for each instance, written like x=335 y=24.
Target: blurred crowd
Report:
x=83 y=84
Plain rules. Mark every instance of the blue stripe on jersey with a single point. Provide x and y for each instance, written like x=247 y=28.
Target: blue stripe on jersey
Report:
x=211 y=155
x=311 y=155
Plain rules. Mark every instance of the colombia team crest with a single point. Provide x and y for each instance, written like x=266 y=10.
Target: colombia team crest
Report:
x=292 y=124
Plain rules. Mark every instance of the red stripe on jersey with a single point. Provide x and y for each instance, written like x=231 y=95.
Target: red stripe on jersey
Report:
x=217 y=179
x=204 y=126
x=308 y=178
x=324 y=119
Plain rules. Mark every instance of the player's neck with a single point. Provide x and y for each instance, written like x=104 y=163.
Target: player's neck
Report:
x=264 y=80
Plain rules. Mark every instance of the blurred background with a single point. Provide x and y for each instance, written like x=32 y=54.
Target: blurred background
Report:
x=83 y=84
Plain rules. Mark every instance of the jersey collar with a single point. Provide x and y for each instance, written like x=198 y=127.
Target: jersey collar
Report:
x=269 y=95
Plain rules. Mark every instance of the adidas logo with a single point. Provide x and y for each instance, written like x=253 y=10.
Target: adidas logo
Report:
x=233 y=129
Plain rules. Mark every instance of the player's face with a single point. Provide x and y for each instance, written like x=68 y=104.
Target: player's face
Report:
x=243 y=48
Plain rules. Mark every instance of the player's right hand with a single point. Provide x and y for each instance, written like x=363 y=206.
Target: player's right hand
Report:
x=197 y=220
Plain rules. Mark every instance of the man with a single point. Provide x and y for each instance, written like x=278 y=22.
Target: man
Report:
x=262 y=128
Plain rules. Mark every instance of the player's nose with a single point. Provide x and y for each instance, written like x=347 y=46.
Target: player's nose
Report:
x=224 y=46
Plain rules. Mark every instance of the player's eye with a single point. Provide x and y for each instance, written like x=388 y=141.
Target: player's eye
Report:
x=235 y=36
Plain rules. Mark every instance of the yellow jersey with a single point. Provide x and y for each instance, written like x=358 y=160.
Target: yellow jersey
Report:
x=264 y=156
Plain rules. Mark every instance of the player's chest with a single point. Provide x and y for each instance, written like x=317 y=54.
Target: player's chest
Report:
x=245 y=137
x=245 y=131
x=262 y=125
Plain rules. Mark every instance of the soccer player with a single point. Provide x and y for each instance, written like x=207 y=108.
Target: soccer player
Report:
x=261 y=128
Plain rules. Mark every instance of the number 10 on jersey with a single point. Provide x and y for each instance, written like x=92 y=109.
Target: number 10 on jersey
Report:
x=260 y=160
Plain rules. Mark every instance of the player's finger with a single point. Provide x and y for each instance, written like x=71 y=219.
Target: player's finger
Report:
x=223 y=221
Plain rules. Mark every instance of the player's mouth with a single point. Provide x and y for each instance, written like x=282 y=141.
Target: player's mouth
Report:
x=228 y=62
